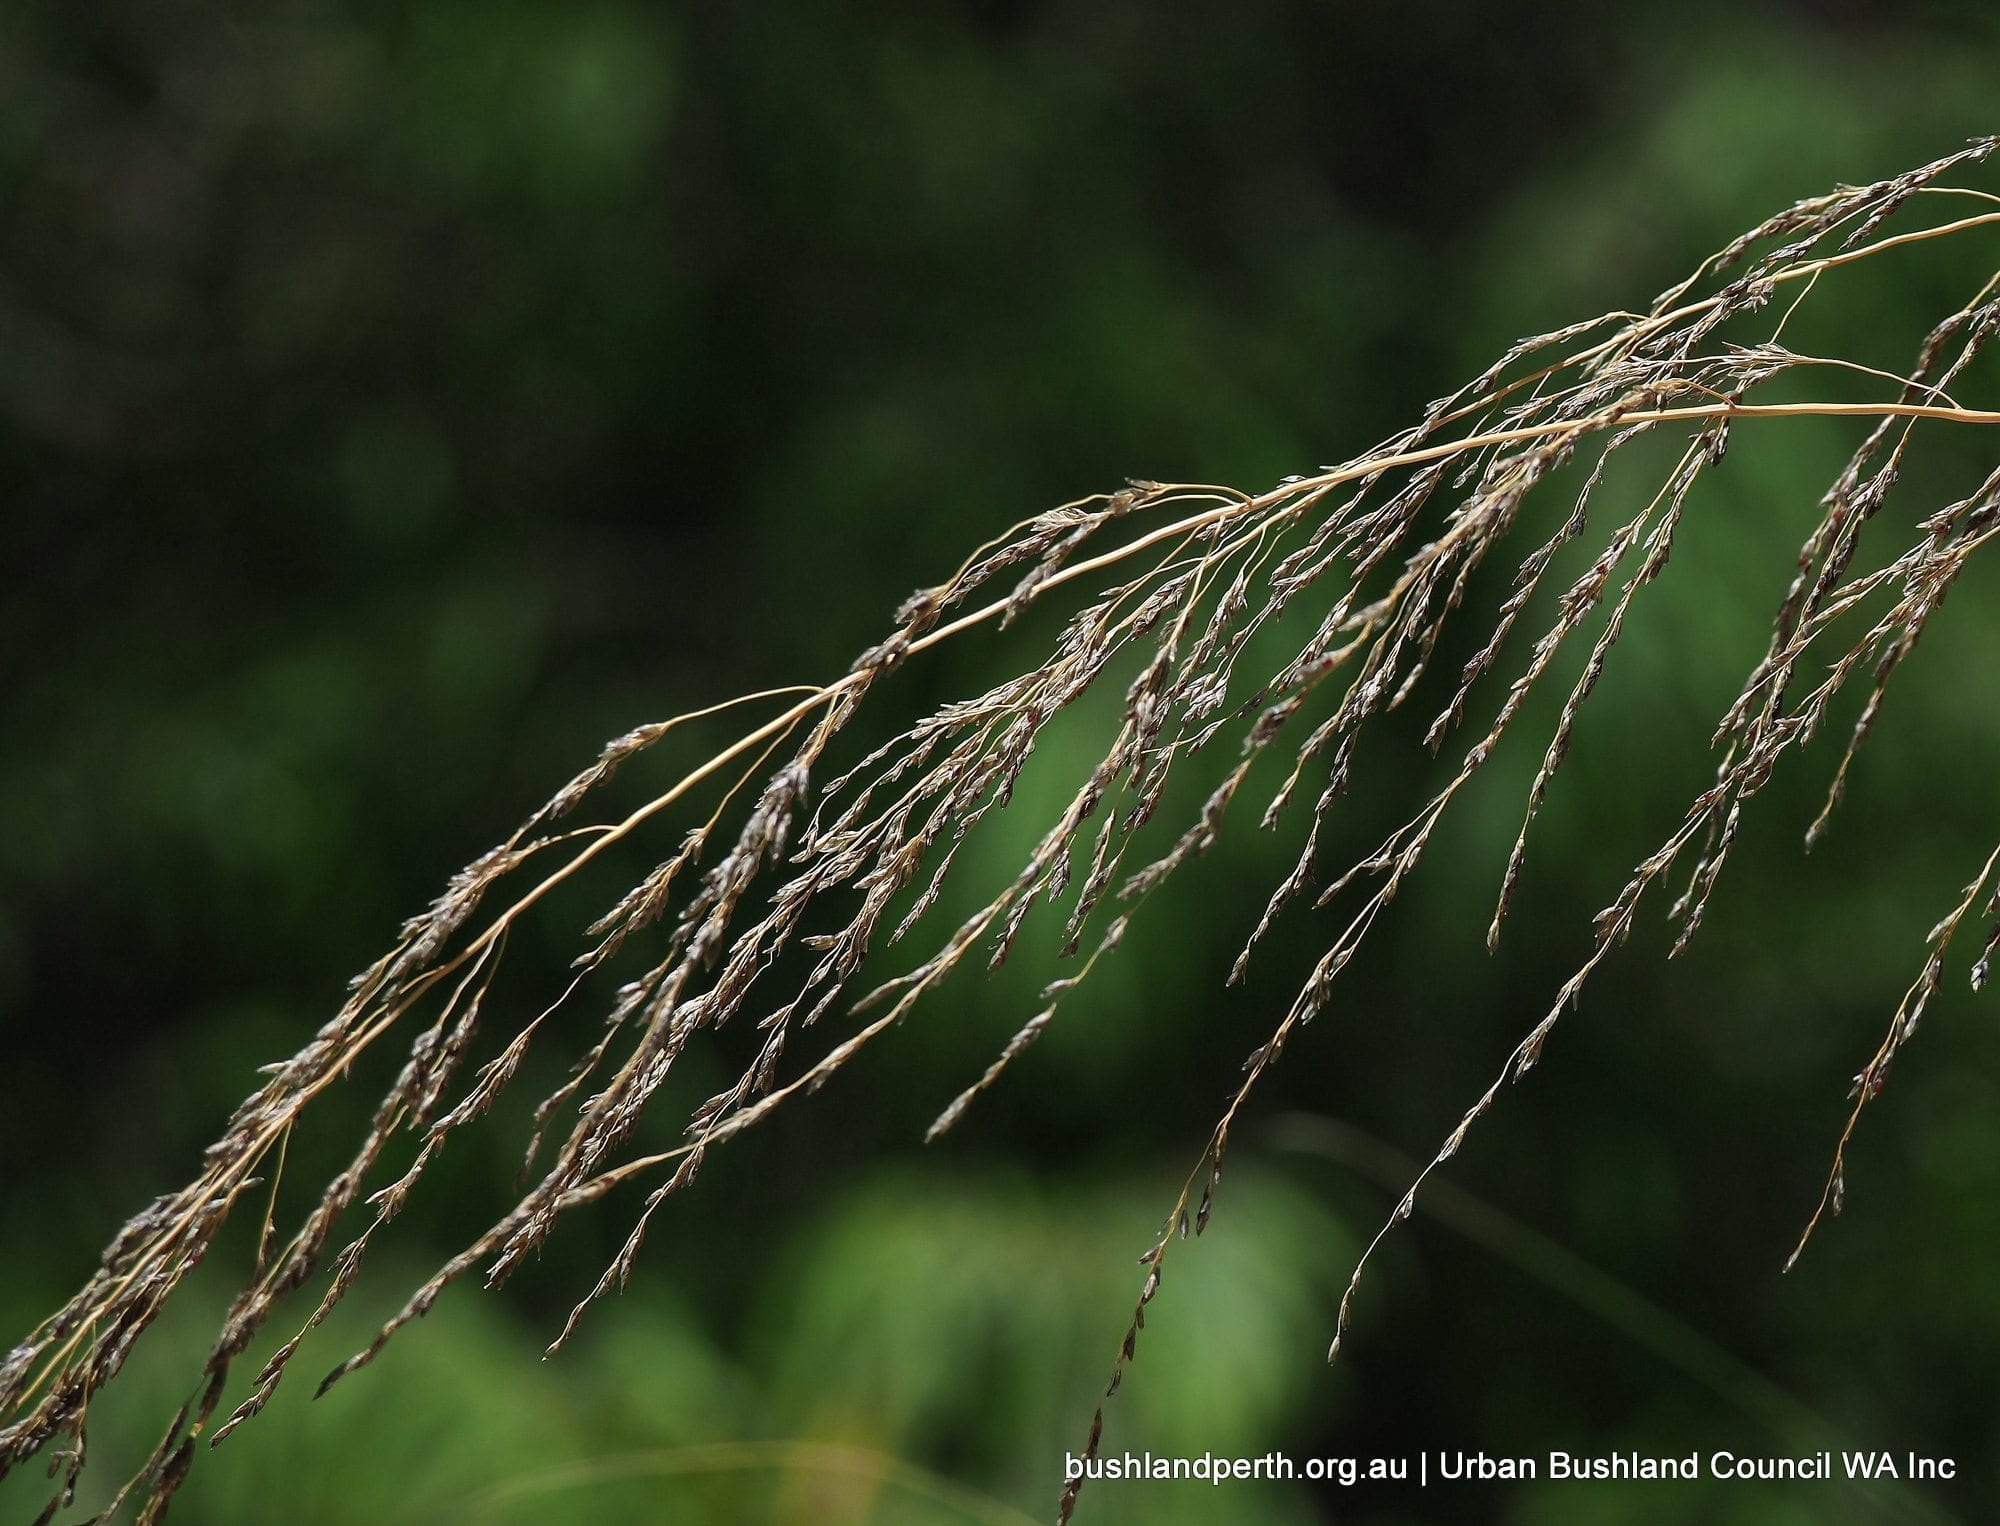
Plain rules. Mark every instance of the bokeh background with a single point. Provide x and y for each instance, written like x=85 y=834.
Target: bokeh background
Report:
x=396 y=400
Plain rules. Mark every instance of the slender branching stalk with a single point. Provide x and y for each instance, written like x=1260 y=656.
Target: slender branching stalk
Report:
x=1370 y=558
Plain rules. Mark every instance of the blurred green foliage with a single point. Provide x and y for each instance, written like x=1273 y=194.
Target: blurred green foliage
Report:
x=396 y=400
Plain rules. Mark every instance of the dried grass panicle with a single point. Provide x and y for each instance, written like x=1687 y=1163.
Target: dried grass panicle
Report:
x=1182 y=579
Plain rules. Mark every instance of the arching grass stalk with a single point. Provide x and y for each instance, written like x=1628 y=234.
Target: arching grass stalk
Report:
x=1177 y=581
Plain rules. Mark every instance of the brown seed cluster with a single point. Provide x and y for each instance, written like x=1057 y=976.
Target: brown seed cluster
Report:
x=774 y=905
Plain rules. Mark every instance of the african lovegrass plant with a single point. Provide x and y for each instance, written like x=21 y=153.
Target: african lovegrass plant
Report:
x=776 y=891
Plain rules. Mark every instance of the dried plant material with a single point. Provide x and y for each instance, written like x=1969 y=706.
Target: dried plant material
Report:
x=1373 y=556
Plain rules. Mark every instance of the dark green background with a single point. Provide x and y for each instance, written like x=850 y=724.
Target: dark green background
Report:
x=397 y=400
